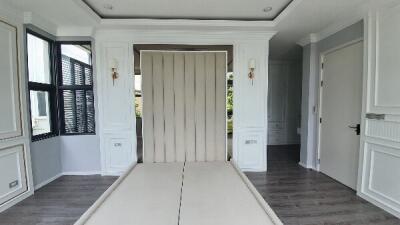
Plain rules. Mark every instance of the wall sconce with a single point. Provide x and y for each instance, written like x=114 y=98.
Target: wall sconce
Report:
x=252 y=67
x=114 y=67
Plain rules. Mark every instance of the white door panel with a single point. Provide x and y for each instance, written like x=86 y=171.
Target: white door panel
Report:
x=379 y=170
x=10 y=123
x=340 y=108
x=15 y=168
x=12 y=172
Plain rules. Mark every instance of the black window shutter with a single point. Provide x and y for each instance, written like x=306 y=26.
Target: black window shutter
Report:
x=78 y=99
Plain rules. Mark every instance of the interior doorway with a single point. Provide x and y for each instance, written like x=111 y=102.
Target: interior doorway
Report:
x=139 y=98
x=284 y=111
x=340 y=112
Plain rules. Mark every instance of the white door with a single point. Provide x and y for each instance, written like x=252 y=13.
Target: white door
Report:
x=341 y=103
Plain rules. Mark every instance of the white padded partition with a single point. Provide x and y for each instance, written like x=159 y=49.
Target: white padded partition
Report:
x=148 y=195
x=184 y=107
x=214 y=193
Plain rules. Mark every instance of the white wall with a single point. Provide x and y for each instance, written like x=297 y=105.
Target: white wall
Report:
x=284 y=102
x=46 y=160
x=80 y=155
x=117 y=118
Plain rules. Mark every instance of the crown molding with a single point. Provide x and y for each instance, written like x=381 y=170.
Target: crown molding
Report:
x=185 y=23
x=332 y=29
x=311 y=38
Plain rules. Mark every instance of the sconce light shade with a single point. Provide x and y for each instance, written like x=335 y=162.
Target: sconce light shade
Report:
x=252 y=64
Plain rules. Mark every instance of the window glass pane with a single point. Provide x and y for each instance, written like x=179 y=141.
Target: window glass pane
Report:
x=76 y=64
x=38 y=59
x=80 y=53
x=40 y=112
x=78 y=101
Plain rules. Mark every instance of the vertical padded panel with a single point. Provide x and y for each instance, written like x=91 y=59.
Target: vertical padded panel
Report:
x=184 y=106
x=220 y=116
x=210 y=106
x=200 y=104
x=147 y=91
x=169 y=107
x=179 y=82
x=158 y=107
x=189 y=108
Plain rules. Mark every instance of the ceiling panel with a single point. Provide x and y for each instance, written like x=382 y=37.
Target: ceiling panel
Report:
x=189 y=9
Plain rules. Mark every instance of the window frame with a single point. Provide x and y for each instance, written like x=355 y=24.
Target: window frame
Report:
x=61 y=87
x=51 y=88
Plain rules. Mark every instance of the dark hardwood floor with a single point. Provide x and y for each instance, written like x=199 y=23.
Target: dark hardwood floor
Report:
x=298 y=196
x=304 y=197
x=61 y=202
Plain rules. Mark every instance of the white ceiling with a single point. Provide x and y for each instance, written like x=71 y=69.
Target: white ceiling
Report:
x=309 y=16
x=193 y=9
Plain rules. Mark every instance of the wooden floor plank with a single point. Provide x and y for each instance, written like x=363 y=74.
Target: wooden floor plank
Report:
x=297 y=195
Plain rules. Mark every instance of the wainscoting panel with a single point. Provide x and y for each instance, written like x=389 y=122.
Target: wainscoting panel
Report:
x=12 y=172
x=385 y=49
x=382 y=174
x=116 y=107
x=117 y=94
x=10 y=110
x=119 y=153
x=251 y=152
x=379 y=171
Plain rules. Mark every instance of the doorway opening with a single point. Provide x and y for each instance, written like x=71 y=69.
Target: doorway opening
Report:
x=284 y=110
x=141 y=113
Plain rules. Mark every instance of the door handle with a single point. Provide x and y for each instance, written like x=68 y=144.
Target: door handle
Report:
x=356 y=128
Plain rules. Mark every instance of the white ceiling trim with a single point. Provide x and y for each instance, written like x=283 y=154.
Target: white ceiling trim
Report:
x=311 y=38
x=134 y=23
x=289 y=9
x=183 y=36
x=330 y=30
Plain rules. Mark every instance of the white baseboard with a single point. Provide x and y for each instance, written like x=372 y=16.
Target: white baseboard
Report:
x=378 y=203
x=81 y=173
x=305 y=166
x=12 y=202
x=85 y=173
x=37 y=186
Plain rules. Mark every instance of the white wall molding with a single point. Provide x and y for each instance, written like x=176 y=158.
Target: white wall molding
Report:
x=118 y=44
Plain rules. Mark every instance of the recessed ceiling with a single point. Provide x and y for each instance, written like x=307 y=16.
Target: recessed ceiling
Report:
x=189 y=9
